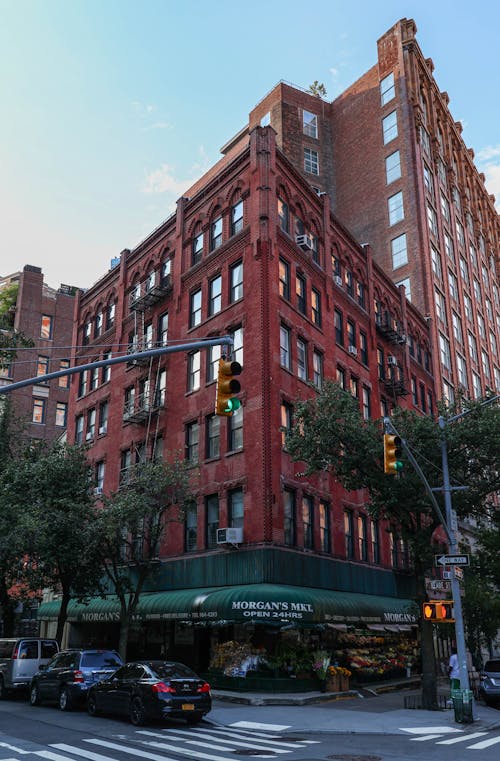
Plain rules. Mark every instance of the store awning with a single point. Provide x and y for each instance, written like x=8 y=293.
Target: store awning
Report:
x=257 y=603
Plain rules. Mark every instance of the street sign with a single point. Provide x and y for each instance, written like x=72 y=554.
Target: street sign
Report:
x=438 y=585
x=459 y=574
x=451 y=559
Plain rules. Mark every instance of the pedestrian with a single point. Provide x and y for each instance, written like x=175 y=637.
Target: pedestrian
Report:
x=454 y=671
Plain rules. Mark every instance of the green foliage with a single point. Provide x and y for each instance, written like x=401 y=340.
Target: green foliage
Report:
x=318 y=89
x=8 y=299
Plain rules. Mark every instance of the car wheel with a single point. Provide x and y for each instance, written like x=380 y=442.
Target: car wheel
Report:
x=92 y=705
x=194 y=719
x=65 y=703
x=137 y=713
x=34 y=696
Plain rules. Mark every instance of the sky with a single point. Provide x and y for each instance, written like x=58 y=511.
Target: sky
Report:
x=110 y=109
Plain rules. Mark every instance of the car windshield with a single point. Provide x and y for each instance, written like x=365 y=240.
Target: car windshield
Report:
x=492 y=666
x=172 y=671
x=101 y=660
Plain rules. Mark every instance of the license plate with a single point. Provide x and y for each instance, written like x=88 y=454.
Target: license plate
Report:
x=187 y=707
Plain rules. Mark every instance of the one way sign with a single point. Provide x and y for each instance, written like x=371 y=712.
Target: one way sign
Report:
x=451 y=559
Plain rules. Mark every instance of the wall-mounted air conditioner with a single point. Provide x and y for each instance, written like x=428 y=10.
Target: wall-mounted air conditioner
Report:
x=304 y=242
x=337 y=280
x=392 y=360
x=229 y=535
x=352 y=350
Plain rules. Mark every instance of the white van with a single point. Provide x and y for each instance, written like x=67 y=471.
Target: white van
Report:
x=20 y=660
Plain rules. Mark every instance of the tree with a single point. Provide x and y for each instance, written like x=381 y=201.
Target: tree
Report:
x=318 y=89
x=51 y=490
x=330 y=435
x=10 y=339
x=131 y=527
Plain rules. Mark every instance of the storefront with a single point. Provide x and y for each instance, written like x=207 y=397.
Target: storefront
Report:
x=368 y=634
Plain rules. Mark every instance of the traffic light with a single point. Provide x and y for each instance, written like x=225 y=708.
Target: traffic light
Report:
x=392 y=454
x=440 y=611
x=227 y=386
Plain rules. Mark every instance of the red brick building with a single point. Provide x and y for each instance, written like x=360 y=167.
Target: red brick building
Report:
x=45 y=315
x=400 y=177
x=253 y=252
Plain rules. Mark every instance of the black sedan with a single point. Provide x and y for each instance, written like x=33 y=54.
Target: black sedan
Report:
x=148 y=690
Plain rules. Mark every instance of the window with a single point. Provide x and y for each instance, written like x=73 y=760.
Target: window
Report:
x=317 y=369
x=61 y=414
x=235 y=508
x=215 y=295
x=82 y=383
x=462 y=370
x=197 y=251
x=110 y=316
x=191 y=527
x=428 y=180
x=468 y=308
x=392 y=167
x=387 y=91
x=163 y=329
x=361 y=294
x=236 y=281
x=165 y=270
x=351 y=333
x=324 y=527
x=100 y=471
x=341 y=377
x=79 y=429
x=147 y=342
x=453 y=285
x=349 y=534
x=286 y=422
x=399 y=251
x=103 y=417
x=91 y=418
x=213 y=356
x=194 y=371
x=195 y=309
x=46 y=327
x=425 y=140
x=366 y=403
x=284 y=275
x=349 y=283
x=362 y=537
x=235 y=430
x=106 y=370
x=237 y=336
x=309 y=124
x=94 y=378
x=307 y=521
x=380 y=364
x=192 y=440
x=375 y=541
x=160 y=389
x=395 y=208
x=445 y=208
x=289 y=517
x=436 y=263
x=157 y=449
x=390 y=127
x=300 y=291
x=476 y=385
x=457 y=328
x=414 y=391
x=316 y=307
x=301 y=359
x=354 y=387
x=283 y=216
x=98 y=324
x=285 y=359
x=212 y=520
x=63 y=380
x=444 y=351
x=339 y=327
x=237 y=218
x=42 y=366
x=38 y=411
x=213 y=436
x=216 y=233
x=311 y=161
x=363 y=348
x=432 y=221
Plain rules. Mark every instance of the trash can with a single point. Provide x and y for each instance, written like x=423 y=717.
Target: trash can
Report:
x=462 y=704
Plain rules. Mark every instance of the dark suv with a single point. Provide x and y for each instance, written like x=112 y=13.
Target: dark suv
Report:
x=489 y=688
x=67 y=677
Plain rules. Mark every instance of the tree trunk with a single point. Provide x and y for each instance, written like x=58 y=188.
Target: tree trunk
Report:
x=61 y=619
x=8 y=605
x=429 y=682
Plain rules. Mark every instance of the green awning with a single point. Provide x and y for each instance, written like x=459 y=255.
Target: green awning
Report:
x=258 y=603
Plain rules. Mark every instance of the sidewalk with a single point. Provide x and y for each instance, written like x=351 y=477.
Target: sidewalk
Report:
x=364 y=712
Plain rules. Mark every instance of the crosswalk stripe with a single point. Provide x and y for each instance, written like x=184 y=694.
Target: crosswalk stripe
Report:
x=233 y=737
x=52 y=756
x=221 y=747
x=461 y=739
x=195 y=753
x=252 y=736
x=81 y=752
x=484 y=744
x=425 y=737
x=21 y=751
x=232 y=730
x=259 y=725
x=130 y=751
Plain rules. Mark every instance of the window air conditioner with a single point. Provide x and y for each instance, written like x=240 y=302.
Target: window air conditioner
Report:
x=229 y=535
x=352 y=350
x=89 y=436
x=304 y=242
x=337 y=280
x=102 y=429
x=98 y=490
x=392 y=360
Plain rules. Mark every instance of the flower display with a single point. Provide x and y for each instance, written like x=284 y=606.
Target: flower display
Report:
x=320 y=664
x=339 y=671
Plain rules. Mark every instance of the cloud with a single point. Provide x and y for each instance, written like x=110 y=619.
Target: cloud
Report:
x=488 y=160
x=143 y=109
x=157 y=125
x=162 y=180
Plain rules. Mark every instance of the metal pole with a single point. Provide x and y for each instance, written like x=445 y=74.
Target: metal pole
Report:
x=455 y=586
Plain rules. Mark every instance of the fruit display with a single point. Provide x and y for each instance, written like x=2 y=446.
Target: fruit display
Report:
x=375 y=657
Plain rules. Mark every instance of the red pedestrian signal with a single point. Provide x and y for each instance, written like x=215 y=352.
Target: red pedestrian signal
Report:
x=439 y=611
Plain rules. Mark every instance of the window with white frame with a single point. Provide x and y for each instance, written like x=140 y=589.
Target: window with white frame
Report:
x=476 y=386
x=445 y=208
x=311 y=161
x=235 y=508
x=283 y=216
x=471 y=340
x=216 y=233
x=237 y=336
x=213 y=356
x=301 y=359
x=215 y=295
x=285 y=358
x=399 y=251
x=436 y=263
x=393 y=167
x=213 y=436
x=457 y=328
x=194 y=371
x=444 y=351
x=61 y=414
x=485 y=361
x=440 y=306
x=195 y=308
x=453 y=285
x=318 y=369
x=237 y=218
x=307 y=521
x=428 y=180
x=309 y=124
x=366 y=402
x=324 y=526
x=395 y=208
x=464 y=270
x=462 y=370
x=236 y=281
x=390 y=127
x=387 y=89
x=481 y=326
x=468 y=308
x=432 y=221
x=235 y=431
